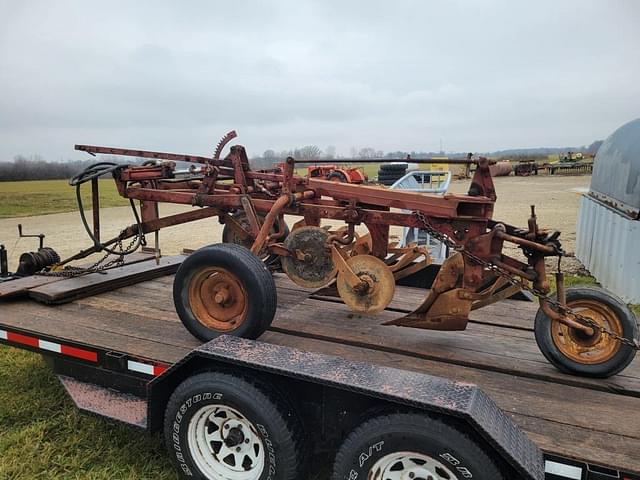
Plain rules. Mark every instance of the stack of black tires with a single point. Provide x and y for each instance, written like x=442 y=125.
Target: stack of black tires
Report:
x=389 y=173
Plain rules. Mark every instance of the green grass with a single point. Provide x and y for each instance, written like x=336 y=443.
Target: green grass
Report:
x=42 y=435
x=576 y=280
x=23 y=199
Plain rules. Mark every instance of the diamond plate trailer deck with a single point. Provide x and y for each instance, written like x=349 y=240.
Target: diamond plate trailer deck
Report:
x=112 y=341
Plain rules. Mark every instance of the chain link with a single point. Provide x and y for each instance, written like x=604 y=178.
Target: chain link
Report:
x=426 y=225
x=99 y=266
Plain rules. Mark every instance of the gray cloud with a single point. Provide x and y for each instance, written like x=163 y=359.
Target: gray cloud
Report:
x=481 y=75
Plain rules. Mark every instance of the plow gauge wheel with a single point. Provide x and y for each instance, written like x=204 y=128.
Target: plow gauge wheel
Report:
x=377 y=289
x=310 y=265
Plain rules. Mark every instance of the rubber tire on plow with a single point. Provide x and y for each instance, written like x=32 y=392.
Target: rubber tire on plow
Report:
x=268 y=432
x=550 y=335
x=211 y=293
x=414 y=446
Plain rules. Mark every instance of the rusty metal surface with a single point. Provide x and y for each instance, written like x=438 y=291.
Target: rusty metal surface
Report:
x=434 y=394
x=463 y=222
x=375 y=288
x=310 y=264
x=106 y=402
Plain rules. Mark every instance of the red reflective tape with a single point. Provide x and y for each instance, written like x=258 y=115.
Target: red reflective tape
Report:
x=22 y=339
x=79 y=353
x=159 y=369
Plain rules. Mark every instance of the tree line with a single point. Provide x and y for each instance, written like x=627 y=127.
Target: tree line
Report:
x=36 y=168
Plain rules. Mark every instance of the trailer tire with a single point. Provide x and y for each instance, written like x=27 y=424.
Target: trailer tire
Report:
x=266 y=441
x=614 y=358
x=246 y=277
x=412 y=443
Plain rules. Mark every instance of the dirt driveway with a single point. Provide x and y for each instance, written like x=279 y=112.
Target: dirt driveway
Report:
x=556 y=200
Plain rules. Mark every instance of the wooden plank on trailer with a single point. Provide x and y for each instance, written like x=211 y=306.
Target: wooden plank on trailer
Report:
x=562 y=418
x=488 y=347
x=596 y=420
x=44 y=321
x=79 y=287
x=508 y=313
x=20 y=286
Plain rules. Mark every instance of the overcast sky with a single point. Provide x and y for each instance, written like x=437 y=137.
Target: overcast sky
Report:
x=175 y=76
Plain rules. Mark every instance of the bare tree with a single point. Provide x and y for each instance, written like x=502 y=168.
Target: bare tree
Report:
x=309 y=152
x=367 y=152
x=330 y=152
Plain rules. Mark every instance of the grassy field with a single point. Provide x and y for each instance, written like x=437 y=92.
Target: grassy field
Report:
x=42 y=435
x=25 y=199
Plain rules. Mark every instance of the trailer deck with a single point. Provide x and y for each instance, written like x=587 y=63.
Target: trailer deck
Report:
x=590 y=420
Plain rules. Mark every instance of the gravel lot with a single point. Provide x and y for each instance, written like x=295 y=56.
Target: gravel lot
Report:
x=556 y=200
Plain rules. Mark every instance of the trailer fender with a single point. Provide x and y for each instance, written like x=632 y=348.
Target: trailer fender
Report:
x=463 y=403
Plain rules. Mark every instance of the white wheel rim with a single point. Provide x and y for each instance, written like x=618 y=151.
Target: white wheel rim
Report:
x=410 y=466
x=225 y=445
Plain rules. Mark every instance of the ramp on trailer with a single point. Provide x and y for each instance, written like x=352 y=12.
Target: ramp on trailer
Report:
x=590 y=420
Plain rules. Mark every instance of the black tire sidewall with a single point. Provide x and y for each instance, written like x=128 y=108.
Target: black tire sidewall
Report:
x=393 y=167
x=391 y=176
x=196 y=393
x=615 y=364
x=339 y=175
x=250 y=271
x=412 y=433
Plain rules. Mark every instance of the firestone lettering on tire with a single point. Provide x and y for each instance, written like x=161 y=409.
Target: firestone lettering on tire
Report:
x=270 y=451
x=178 y=421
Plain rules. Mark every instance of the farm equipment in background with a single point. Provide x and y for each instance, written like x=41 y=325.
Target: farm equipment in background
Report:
x=501 y=169
x=572 y=163
x=425 y=181
x=227 y=288
x=524 y=168
x=335 y=173
x=390 y=173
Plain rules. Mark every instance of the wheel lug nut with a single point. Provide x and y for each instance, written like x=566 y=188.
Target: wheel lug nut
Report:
x=246 y=440
x=237 y=449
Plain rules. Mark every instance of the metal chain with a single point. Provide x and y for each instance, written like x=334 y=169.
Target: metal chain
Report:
x=426 y=225
x=99 y=266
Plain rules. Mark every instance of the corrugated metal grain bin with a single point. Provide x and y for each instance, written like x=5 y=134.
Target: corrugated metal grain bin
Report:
x=608 y=234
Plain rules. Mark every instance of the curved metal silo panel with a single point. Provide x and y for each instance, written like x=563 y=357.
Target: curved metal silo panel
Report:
x=608 y=233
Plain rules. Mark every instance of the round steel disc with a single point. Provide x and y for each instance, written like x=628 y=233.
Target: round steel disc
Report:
x=382 y=285
x=311 y=265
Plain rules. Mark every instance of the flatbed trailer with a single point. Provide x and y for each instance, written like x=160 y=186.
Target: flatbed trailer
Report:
x=121 y=353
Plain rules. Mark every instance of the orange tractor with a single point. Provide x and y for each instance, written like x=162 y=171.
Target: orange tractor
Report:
x=335 y=173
